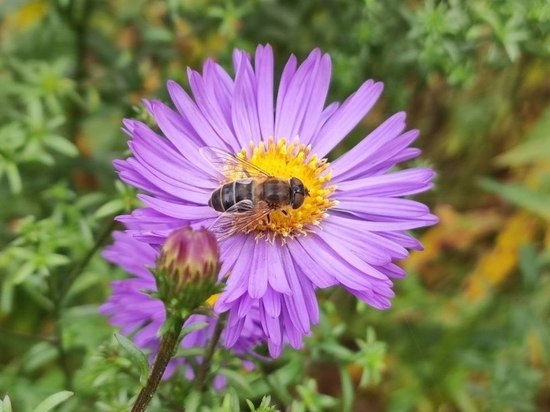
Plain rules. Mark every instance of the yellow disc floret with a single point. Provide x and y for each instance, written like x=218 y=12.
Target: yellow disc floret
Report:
x=284 y=161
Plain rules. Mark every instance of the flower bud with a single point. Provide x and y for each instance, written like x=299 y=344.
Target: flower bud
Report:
x=187 y=269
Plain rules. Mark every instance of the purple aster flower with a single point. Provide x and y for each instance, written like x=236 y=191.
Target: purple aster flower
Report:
x=352 y=225
x=132 y=309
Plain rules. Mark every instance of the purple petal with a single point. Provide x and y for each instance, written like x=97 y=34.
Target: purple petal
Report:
x=309 y=266
x=178 y=210
x=377 y=150
x=403 y=239
x=290 y=114
x=264 y=82
x=272 y=328
x=373 y=299
x=331 y=262
x=365 y=240
x=286 y=78
x=366 y=249
x=402 y=183
x=244 y=110
x=272 y=303
x=319 y=86
x=209 y=105
x=346 y=117
x=181 y=134
x=257 y=279
x=372 y=208
x=297 y=308
x=150 y=219
x=371 y=274
x=191 y=113
x=277 y=271
x=238 y=281
x=389 y=225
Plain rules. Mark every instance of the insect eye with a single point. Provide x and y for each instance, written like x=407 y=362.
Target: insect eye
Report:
x=297 y=200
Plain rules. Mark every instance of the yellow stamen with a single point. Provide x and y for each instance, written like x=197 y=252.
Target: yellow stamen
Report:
x=211 y=301
x=283 y=160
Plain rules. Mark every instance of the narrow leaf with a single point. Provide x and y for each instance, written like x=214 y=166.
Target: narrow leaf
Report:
x=193 y=401
x=237 y=380
x=193 y=328
x=136 y=356
x=520 y=195
x=14 y=178
x=61 y=145
x=110 y=208
x=5 y=405
x=347 y=390
x=52 y=401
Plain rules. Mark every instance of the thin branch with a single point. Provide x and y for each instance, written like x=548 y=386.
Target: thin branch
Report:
x=61 y=350
x=202 y=373
x=30 y=336
x=77 y=17
x=75 y=272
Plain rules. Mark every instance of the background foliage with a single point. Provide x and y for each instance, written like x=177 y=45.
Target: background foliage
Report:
x=469 y=329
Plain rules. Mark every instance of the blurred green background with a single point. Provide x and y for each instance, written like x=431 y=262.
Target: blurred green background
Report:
x=470 y=326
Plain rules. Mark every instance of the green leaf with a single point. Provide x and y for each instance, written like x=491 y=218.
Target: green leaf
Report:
x=37 y=295
x=189 y=352
x=6 y=297
x=55 y=259
x=14 y=178
x=529 y=265
x=193 y=401
x=24 y=271
x=110 y=208
x=52 y=401
x=5 y=404
x=311 y=397
x=136 y=356
x=39 y=355
x=61 y=145
x=193 y=328
x=338 y=351
x=348 y=393
x=529 y=152
x=230 y=401
x=237 y=380
x=533 y=201
x=536 y=147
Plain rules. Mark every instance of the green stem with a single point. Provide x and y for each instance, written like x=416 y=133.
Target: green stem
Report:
x=60 y=346
x=58 y=291
x=29 y=336
x=77 y=16
x=166 y=351
x=202 y=373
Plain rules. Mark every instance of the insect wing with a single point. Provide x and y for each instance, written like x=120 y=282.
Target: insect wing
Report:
x=223 y=226
x=244 y=220
x=237 y=218
x=231 y=165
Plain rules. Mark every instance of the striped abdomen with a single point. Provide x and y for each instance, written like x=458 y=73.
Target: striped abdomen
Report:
x=231 y=193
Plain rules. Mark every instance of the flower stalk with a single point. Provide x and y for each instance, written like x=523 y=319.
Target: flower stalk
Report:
x=167 y=348
x=186 y=277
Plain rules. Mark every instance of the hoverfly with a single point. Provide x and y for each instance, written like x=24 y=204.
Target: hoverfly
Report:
x=251 y=195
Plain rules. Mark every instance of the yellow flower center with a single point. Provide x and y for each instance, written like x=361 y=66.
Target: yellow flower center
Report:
x=284 y=161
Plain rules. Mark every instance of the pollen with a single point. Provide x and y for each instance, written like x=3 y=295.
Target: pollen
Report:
x=284 y=160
